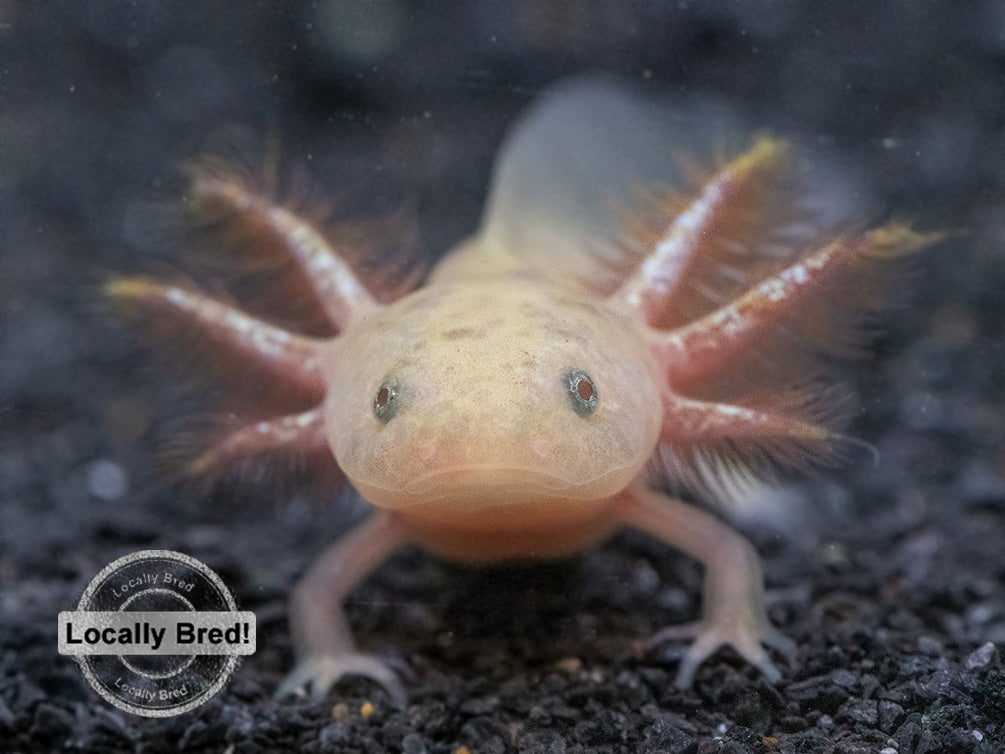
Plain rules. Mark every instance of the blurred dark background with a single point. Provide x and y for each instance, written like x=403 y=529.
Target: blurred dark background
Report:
x=390 y=103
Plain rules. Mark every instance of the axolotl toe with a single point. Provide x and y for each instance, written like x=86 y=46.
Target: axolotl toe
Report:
x=589 y=347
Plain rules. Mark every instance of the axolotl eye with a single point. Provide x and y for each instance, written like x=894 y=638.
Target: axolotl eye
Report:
x=582 y=391
x=385 y=402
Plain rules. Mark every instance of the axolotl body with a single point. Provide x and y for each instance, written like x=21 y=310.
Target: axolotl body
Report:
x=562 y=366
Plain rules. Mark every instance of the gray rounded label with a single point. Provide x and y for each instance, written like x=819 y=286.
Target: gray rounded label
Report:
x=157 y=633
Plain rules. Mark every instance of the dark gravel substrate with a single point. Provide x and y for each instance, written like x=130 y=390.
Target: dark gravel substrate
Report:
x=890 y=576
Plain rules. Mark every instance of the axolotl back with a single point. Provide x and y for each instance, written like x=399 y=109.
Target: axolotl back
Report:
x=622 y=323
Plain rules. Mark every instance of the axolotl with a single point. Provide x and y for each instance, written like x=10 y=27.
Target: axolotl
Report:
x=604 y=340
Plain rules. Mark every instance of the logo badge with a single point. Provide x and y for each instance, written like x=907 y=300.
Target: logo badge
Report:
x=157 y=633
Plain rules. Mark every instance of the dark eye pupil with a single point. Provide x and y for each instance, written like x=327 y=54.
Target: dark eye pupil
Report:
x=385 y=404
x=582 y=391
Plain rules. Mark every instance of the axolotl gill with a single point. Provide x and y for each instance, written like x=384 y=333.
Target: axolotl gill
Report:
x=623 y=322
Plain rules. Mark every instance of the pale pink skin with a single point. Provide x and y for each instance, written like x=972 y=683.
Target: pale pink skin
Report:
x=460 y=413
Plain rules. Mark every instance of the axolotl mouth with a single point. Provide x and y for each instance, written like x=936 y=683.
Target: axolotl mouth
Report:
x=483 y=487
x=465 y=509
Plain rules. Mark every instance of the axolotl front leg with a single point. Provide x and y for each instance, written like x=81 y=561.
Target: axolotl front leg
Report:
x=733 y=601
x=322 y=638
x=733 y=611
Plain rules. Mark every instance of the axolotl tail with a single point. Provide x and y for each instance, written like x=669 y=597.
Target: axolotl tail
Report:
x=575 y=164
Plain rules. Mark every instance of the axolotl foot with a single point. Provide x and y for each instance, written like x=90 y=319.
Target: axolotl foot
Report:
x=316 y=675
x=321 y=636
x=746 y=633
x=733 y=602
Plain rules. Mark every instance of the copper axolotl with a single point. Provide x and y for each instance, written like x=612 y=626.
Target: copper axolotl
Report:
x=604 y=336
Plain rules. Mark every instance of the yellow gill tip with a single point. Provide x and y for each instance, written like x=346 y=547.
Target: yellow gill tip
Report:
x=766 y=152
x=203 y=464
x=144 y=290
x=898 y=239
x=128 y=288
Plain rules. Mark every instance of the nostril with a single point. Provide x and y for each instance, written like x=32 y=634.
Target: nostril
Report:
x=425 y=452
x=541 y=447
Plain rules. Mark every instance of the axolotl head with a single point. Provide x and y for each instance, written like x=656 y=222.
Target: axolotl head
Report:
x=488 y=394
